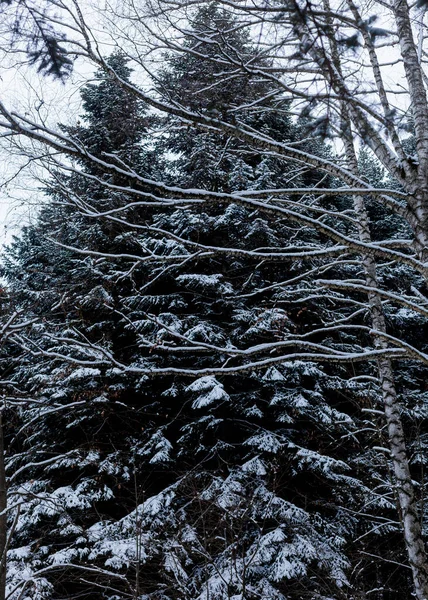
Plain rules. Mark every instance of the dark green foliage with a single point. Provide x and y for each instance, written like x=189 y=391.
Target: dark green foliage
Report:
x=264 y=483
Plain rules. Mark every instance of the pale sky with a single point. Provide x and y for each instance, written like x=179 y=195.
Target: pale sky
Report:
x=24 y=90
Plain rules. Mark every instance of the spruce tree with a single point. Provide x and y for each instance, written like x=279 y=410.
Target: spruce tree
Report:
x=256 y=467
x=75 y=450
x=253 y=485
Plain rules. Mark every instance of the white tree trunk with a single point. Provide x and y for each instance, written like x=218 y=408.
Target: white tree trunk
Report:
x=405 y=488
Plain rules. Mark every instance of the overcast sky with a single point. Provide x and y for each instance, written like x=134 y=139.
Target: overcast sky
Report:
x=23 y=88
x=26 y=91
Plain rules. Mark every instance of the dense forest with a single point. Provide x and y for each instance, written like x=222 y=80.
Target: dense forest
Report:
x=214 y=332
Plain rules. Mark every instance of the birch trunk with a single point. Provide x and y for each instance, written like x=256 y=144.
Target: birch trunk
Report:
x=405 y=489
x=417 y=183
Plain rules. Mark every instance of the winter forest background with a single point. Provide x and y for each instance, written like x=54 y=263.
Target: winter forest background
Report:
x=214 y=351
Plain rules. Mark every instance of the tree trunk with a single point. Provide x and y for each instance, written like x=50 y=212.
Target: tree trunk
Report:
x=412 y=531
x=405 y=489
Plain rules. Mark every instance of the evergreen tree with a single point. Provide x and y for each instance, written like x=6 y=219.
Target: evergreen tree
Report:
x=256 y=485
x=72 y=432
